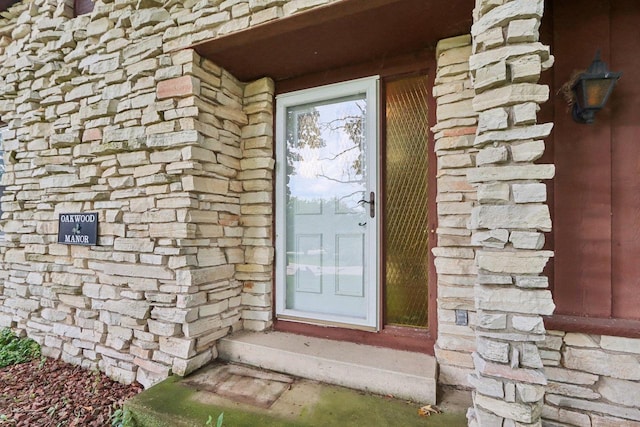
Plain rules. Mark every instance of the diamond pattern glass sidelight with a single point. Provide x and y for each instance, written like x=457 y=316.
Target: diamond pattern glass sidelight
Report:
x=405 y=212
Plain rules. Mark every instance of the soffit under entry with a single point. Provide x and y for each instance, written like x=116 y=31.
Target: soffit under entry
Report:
x=338 y=35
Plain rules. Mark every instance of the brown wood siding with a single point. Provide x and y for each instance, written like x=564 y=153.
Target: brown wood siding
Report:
x=625 y=141
x=596 y=189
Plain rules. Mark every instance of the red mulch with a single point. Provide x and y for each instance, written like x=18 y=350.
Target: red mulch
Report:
x=54 y=393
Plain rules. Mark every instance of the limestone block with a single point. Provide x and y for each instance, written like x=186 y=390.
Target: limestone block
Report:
x=454 y=142
x=174 y=139
x=523 y=30
x=178 y=87
x=524 y=413
x=489 y=76
x=529 y=393
x=510 y=173
x=527 y=151
x=143 y=271
x=572 y=390
x=491 y=321
x=213 y=19
x=524 y=114
x=204 y=276
x=591 y=406
x=201 y=326
x=514 y=300
x=179 y=347
x=452 y=43
x=211 y=256
x=493 y=350
x=529 y=193
x=487 y=386
x=526 y=240
x=82 y=91
x=491 y=56
x=529 y=262
x=214 y=309
x=205 y=185
x=142 y=49
x=570 y=376
x=488 y=39
x=172 y=231
x=143 y=17
x=184 y=366
x=499 y=370
x=174 y=315
x=458 y=109
x=490 y=239
x=493 y=193
x=516 y=134
x=455 y=55
x=135 y=309
x=511 y=216
x=532 y=281
x=525 y=69
x=622 y=366
x=510 y=95
x=455 y=161
x=532 y=324
x=493 y=119
x=486 y=418
x=454 y=266
x=453 y=252
x=492 y=155
x=626 y=345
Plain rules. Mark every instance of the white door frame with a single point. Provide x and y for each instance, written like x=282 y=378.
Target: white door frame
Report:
x=370 y=87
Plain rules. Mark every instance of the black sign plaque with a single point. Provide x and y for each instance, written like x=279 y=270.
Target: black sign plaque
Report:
x=78 y=228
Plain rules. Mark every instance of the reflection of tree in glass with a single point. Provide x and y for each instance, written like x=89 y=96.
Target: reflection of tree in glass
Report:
x=309 y=130
x=309 y=133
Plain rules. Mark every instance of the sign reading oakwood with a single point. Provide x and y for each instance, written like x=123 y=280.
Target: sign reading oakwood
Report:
x=78 y=228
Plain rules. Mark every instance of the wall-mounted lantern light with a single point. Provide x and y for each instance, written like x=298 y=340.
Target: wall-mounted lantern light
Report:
x=592 y=89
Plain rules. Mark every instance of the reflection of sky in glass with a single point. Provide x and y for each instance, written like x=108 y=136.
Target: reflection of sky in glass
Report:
x=325 y=146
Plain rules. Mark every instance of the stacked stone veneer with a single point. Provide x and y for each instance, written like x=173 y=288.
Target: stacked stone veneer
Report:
x=592 y=380
x=107 y=114
x=455 y=254
x=511 y=215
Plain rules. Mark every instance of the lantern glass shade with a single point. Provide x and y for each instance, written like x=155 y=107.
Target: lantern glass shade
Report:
x=592 y=90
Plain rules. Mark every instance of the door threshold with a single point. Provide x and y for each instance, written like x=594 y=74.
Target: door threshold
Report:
x=402 y=374
x=398 y=338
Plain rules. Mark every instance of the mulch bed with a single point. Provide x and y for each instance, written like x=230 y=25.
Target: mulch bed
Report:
x=53 y=393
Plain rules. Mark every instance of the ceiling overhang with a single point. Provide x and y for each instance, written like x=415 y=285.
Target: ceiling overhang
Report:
x=338 y=35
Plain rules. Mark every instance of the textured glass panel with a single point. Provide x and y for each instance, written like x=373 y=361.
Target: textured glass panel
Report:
x=406 y=226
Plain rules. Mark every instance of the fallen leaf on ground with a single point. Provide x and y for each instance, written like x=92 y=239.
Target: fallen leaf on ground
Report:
x=427 y=410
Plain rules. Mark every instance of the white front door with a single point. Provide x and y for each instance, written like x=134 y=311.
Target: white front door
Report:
x=326 y=230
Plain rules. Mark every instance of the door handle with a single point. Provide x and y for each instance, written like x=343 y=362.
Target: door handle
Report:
x=371 y=202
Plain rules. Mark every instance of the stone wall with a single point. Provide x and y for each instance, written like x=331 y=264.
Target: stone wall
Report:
x=593 y=380
x=106 y=114
x=455 y=255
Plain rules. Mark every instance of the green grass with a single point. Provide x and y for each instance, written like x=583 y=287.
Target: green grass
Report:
x=14 y=350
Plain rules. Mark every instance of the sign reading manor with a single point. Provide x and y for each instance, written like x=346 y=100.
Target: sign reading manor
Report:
x=78 y=228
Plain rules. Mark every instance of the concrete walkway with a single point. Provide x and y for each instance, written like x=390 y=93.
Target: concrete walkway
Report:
x=257 y=398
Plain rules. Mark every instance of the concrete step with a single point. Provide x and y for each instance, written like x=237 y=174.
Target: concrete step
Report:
x=402 y=374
